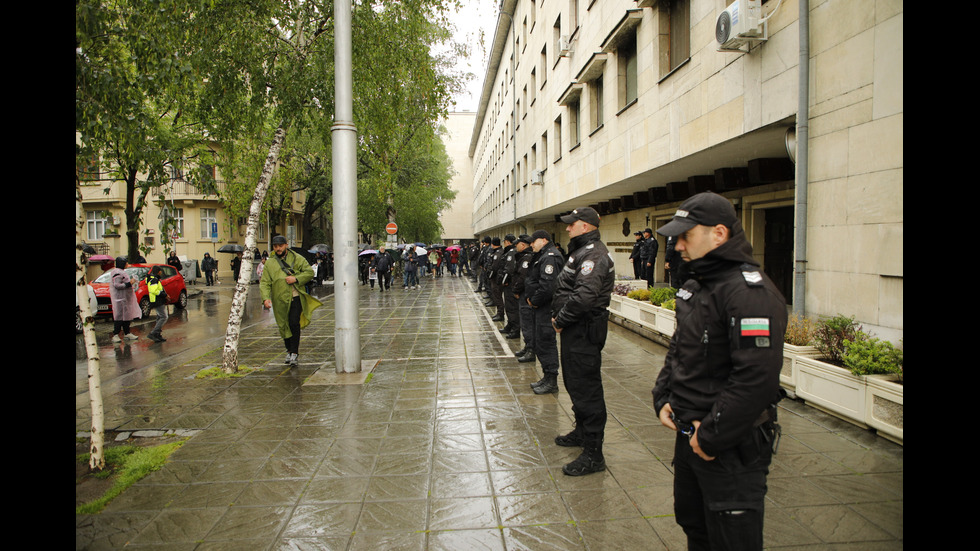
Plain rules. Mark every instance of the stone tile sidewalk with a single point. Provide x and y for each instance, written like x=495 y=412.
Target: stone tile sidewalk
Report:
x=446 y=447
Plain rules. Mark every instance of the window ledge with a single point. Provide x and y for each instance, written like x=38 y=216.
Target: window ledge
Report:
x=674 y=70
x=628 y=105
x=596 y=129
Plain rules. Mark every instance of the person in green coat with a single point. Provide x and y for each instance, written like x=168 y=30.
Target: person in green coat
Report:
x=282 y=286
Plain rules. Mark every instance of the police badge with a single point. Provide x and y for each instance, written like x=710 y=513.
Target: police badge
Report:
x=587 y=267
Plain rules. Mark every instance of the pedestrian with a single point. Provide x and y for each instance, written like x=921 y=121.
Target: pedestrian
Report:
x=381 y=265
x=720 y=382
x=208 y=266
x=122 y=294
x=635 y=255
x=648 y=255
x=281 y=286
x=539 y=288
x=580 y=314
x=158 y=301
x=454 y=269
x=512 y=329
x=411 y=269
x=174 y=261
x=524 y=256
x=236 y=265
x=261 y=267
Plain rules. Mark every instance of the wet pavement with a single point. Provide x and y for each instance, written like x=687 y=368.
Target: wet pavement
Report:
x=445 y=446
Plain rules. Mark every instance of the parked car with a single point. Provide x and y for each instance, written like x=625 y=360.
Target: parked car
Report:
x=93 y=303
x=173 y=284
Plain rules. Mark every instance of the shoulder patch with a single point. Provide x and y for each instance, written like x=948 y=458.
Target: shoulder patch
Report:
x=587 y=267
x=590 y=245
x=549 y=269
x=752 y=278
x=684 y=294
x=524 y=264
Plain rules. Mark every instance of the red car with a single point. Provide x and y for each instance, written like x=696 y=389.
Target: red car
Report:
x=172 y=281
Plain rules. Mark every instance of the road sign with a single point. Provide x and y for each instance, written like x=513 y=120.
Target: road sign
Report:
x=214 y=231
x=391 y=228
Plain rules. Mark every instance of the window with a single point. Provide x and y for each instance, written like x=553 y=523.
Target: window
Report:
x=544 y=65
x=208 y=217
x=595 y=102
x=95 y=225
x=557 y=138
x=544 y=151
x=534 y=157
x=90 y=170
x=534 y=85
x=556 y=44
x=178 y=214
x=675 y=46
x=574 y=131
x=626 y=61
x=573 y=16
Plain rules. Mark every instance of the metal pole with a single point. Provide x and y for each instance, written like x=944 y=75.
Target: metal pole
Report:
x=347 y=338
x=802 y=162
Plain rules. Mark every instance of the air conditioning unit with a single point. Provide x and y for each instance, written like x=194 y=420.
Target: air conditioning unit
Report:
x=740 y=24
x=564 y=46
x=537 y=178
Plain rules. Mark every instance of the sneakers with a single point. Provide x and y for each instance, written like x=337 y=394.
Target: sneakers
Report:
x=131 y=337
x=292 y=359
x=591 y=461
x=115 y=338
x=156 y=337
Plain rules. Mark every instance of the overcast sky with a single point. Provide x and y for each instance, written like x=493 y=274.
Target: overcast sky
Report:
x=472 y=17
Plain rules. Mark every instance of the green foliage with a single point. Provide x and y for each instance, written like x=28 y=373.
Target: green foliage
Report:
x=639 y=294
x=873 y=357
x=832 y=334
x=128 y=464
x=659 y=295
x=670 y=304
x=800 y=330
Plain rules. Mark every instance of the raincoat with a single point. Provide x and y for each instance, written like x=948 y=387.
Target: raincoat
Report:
x=123 y=297
x=273 y=287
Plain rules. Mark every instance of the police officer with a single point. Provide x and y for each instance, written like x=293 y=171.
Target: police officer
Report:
x=648 y=255
x=672 y=262
x=523 y=259
x=539 y=288
x=720 y=381
x=580 y=315
x=512 y=309
x=635 y=255
x=481 y=262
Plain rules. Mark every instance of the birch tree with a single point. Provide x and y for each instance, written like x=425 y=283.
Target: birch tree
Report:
x=97 y=438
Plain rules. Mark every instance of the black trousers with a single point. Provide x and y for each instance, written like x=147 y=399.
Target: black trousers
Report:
x=545 y=340
x=581 y=365
x=295 y=309
x=512 y=307
x=720 y=503
x=497 y=295
x=527 y=322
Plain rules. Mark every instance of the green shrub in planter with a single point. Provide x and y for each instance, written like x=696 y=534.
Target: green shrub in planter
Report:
x=832 y=334
x=800 y=330
x=660 y=294
x=669 y=304
x=872 y=356
x=639 y=294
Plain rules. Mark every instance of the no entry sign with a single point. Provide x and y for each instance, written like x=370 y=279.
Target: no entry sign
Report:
x=391 y=228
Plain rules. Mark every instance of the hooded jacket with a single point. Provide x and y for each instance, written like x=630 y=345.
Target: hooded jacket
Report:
x=586 y=281
x=723 y=364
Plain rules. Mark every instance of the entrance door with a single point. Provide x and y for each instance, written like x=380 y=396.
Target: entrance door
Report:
x=778 y=254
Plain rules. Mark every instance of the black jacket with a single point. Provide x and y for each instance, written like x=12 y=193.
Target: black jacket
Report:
x=523 y=260
x=586 y=280
x=382 y=262
x=542 y=276
x=723 y=364
x=509 y=269
x=648 y=252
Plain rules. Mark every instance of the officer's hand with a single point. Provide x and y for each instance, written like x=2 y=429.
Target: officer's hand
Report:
x=694 y=443
x=557 y=329
x=665 y=420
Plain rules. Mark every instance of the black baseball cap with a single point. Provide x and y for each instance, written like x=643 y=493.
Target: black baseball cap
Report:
x=524 y=238
x=279 y=240
x=585 y=214
x=540 y=234
x=510 y=238
x=704 y=209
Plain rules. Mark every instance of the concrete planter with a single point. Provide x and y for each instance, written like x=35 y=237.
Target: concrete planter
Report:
x=885 y=407
x=832 y=389
x=788 y=374
x=644 y=314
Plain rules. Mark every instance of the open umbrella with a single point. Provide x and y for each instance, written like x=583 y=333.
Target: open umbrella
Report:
x=454 y=248
x=230 y=248
x=367 y=251
x=320 y=248
x=95 y=258
x=299 y=250
x=421 y=251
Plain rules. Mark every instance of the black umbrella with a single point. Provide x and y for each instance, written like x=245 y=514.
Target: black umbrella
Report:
x=231 y=249
x=320 y=248
x=305 y=254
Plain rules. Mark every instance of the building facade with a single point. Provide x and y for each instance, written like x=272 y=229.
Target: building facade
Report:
x=632 y=106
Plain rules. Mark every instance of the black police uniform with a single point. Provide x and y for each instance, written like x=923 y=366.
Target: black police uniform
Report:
x=648 y=254
x=722 y=369
x=580 y=310
x=635 y=258
x=525 y=312
x=493 y=279
x=511 y=306
x=539 y=288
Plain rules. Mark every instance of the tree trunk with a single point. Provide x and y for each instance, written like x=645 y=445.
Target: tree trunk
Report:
x=97 y=447
x=229 y=357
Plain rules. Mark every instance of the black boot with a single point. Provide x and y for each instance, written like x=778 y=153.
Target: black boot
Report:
x=591 y=461
x=548 y=386
x=528 y=357
x=573 y=439
x=513 y=334
x=521 y=352
x=498 y=317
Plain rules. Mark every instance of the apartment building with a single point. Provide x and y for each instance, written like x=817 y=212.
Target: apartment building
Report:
x=630 y=106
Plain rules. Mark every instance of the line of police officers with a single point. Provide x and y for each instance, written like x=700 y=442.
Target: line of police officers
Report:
x=719 y=385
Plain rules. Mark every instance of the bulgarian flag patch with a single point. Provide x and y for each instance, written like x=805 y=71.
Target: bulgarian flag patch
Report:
x=755 y=327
